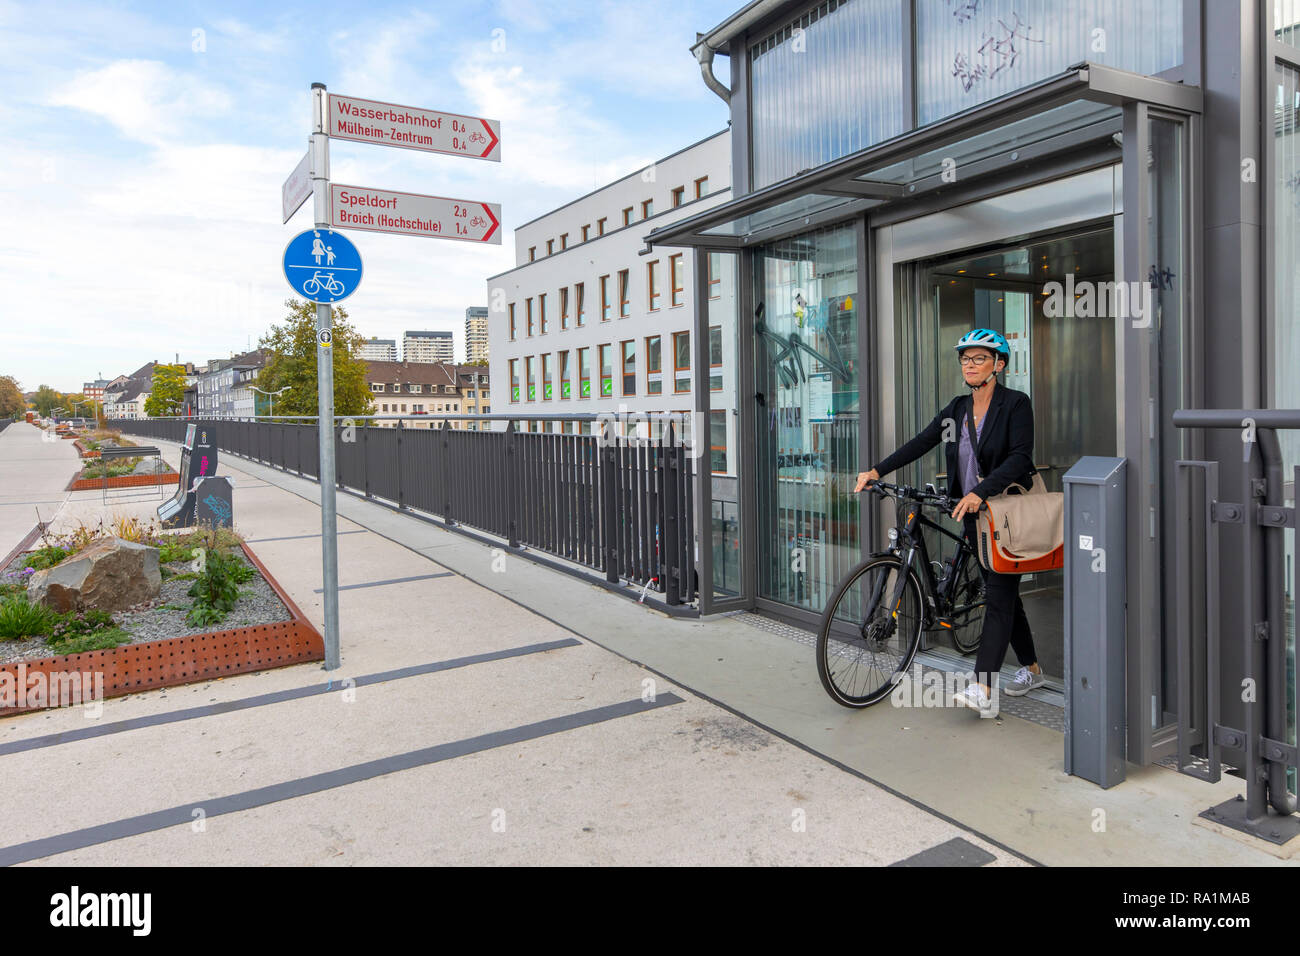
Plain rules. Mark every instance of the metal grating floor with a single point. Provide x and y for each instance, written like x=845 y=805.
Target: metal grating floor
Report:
x=1044 y=706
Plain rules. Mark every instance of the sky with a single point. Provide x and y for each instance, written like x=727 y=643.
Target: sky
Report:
x=143 y=147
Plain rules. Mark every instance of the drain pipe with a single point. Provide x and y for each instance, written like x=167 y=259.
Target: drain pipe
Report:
x=1279 y=796
x=704 y=56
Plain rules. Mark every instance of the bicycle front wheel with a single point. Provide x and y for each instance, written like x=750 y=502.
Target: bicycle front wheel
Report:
x=863 y=642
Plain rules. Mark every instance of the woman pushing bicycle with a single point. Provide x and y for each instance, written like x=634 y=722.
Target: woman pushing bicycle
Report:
x=1002 y=420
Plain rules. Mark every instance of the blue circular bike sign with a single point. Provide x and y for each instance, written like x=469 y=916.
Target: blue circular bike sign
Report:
x=322 y=265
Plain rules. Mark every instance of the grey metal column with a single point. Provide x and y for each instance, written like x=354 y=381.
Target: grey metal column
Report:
x=325 y=385
x=1095 y=595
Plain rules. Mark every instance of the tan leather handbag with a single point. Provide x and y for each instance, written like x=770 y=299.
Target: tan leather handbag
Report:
x=1019 y=533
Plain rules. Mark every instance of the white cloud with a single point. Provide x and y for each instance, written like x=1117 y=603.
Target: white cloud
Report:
x=146 y=100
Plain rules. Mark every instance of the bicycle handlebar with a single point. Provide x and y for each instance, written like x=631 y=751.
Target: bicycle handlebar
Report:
x=885 y=489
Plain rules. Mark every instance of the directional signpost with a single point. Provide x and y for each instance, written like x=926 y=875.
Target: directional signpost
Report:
x=296 y=188
x=410 y=214
x=324 y=267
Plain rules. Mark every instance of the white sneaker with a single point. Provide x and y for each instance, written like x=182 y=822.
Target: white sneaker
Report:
x=973 y=697
x=1024 y=681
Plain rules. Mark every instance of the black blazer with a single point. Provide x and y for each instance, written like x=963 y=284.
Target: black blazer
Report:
x=1006 y=443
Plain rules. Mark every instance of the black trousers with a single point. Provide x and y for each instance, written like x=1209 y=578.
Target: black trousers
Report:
x=1004 y=620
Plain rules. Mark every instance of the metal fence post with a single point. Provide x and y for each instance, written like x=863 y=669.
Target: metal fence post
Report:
x=446 y=474
x=607 y=476
x=401 y=500
x=511 y=483
x=672 y=491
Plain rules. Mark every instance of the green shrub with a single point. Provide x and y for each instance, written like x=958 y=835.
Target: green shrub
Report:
x=46 y=557
x=21 y=619
x=15 y=582
x=100 y=640
x=217 y=588
x=77 y=624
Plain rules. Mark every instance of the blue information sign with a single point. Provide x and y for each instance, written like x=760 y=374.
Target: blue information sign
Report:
x=322 y=265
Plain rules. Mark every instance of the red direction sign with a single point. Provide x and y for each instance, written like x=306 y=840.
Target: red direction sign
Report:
x=373 y=121
x=410 y=214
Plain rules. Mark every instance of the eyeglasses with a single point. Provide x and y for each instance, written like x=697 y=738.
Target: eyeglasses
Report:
x=976 y=360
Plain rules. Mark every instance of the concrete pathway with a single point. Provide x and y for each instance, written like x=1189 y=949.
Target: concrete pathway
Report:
x=1001 y=779
x=463 y=727
x=33 y=474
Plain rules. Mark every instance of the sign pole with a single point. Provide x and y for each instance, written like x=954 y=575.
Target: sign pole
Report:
x=320 y=156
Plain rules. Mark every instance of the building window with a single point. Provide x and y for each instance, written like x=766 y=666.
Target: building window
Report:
x=600 y=227
x=679 y=196
x=532 y=253
x=715 y=358
x=579 y=303
x=564 y=374
x=550 y=247
x=511 y=309
x=654 y=384
x=385 y=406
x=586 y=232
x=546 y=377
x=604 y=299
x=718 y=440
x=376 y=386
x=528 y=379
x=715 y=275
x=624 y=293
x=629 y=367
x=647 y=209
x=606 y=371
x=652 y=285
x=541 y=311
x=627 y=216
x=701 y=187
x=675 y=276
x=681 y=361
x=414 y=389
x=564 y=308
x=528 y=316
x=564 y=241
x=584 y=373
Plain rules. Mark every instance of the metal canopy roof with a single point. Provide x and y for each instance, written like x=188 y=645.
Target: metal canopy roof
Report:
x=1083 y=103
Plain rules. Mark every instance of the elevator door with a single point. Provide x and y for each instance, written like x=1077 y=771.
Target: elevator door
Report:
x=1050 y=296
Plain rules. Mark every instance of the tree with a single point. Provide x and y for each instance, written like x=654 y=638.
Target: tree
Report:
x=46 y=400
x=167 y=392
x=12 y=404
x=291 y=361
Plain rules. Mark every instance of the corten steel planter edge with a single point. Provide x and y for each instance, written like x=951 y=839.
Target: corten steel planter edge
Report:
x=174 y=661
x=20 y=548
x=123 y=481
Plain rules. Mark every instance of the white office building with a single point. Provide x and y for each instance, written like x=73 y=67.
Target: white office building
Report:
x=427 y=347
x=476 y=333
x=379 y=350
x=586 y=322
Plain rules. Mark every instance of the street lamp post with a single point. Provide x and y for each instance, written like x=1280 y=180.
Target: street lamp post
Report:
x=272 y=397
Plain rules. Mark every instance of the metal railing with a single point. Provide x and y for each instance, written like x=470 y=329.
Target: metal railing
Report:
x=617 y=506
x=1253 y=572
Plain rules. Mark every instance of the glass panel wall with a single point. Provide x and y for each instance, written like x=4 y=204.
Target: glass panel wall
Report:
x=825 y=86
x=970 y=51
x=723 y=425
x=805 y=375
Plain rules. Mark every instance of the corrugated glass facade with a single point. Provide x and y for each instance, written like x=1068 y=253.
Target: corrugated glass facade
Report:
x=825 y=86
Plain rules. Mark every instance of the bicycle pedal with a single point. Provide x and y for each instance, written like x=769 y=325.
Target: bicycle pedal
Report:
x=945 y=622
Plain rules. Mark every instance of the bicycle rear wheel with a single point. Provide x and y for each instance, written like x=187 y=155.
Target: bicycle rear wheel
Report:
x=862 y=642
x=967 y=611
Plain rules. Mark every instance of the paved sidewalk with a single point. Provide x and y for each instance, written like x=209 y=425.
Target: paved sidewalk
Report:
x=462 y=728
x=1002 y=779
x=33 y=474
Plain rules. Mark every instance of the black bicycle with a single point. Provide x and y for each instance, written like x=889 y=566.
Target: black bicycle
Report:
x=873 y=624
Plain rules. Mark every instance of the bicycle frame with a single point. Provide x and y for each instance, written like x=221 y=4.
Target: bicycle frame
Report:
x=910 y=543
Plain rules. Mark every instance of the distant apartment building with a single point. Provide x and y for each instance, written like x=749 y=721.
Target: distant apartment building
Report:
x=476 y=333
x=475 y=393
x=124 y=396
x=225 y=389
x=427 y=347
x=379 y=350
x=422 y=390
x=94 y=391
x=590 y=324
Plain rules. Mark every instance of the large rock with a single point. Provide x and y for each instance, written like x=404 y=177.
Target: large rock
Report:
x=110 y=574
